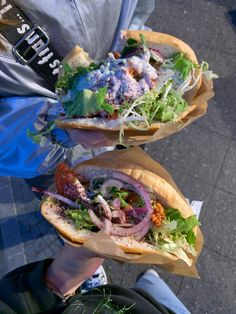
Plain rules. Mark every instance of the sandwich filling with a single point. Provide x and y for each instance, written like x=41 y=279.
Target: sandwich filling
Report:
x=138 y=85
x=121 y=206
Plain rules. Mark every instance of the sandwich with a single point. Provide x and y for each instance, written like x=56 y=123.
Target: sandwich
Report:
x=151 y=80
x=140 y=211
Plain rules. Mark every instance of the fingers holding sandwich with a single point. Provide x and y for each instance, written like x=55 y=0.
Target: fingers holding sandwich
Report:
x=90 y=139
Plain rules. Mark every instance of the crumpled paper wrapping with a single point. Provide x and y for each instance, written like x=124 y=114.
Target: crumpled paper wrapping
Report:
x=103 y=245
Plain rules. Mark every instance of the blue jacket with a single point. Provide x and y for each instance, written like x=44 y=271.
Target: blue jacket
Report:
x=26 y=99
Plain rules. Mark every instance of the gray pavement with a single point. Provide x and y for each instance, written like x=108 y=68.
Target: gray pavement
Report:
x=201 y=159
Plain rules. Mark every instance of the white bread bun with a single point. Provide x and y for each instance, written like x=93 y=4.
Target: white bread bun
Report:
x=77 y=57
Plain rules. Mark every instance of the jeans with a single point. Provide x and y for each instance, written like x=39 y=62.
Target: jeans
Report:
x=159 y=290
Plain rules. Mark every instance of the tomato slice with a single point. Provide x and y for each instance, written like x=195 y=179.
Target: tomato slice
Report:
x=64 y=178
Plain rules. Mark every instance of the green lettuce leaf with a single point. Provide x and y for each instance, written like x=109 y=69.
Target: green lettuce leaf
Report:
x=183 y=65
x=190 y=237
x=155 y=107
x=120 y=194
x=81 y=218
x=184 y=225
x=88 y=102
x=175 y=235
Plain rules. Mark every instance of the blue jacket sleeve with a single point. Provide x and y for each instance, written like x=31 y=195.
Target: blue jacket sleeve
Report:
x=19 y=155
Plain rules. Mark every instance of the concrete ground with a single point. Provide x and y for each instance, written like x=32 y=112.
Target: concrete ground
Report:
x=201 y=159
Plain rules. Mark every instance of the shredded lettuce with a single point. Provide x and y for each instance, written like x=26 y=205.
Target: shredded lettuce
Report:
x=209 y=74
x=81 y=218
x=175 y=235
x=159 y=106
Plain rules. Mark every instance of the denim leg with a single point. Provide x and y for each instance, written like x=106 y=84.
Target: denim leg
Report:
x=158 y=289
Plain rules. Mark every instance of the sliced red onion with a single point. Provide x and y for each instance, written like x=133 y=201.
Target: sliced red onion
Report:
x=97 y=221
x=128 y=187
x=116 y=203
x=137 y=212
x=105 y=206
x=108 y=184
x=141 y=234
x=119 y=231
x=139 y=188
x=58 y=197
x=107 y=226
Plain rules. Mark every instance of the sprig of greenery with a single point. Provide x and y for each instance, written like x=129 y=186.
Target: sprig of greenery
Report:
x=183 y=65
x=106 y=304
x=121 y=195
x=37 y=136
x=81 y=218
x=132 y=45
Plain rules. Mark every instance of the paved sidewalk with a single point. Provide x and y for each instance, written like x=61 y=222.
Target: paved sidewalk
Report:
x=201 y=159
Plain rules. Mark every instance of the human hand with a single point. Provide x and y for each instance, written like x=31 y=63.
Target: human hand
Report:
x=90 y=139
x=71 y=267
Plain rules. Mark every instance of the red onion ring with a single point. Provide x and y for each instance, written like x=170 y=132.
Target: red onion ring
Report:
x=119 y=231
x=104 y=225
x=110 y=183
x=97 y=221
x=58 y=197
x=107 y=226
x=139 y=188
x=105 y=206
x=140 y=235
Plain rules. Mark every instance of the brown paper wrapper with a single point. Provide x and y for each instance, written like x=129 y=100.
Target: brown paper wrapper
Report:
x=103 y=245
